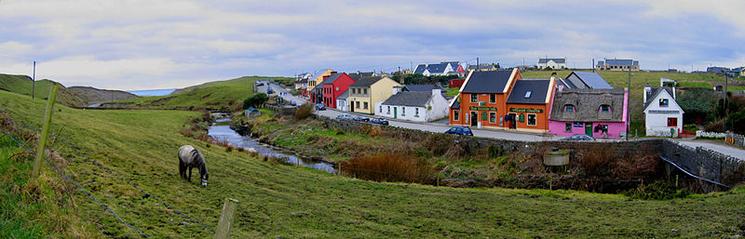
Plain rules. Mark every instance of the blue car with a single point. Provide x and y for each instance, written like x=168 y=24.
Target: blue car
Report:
x=459 y=130
x=320 y=106
x=379 y=121
x=579 y=137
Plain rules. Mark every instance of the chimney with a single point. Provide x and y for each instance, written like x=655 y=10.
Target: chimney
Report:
x=647 y=91
x=674 y=97
x=397 y=89
x=436 y=91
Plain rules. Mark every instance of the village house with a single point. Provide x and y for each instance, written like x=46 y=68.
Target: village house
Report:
x=316 y=95
x=419 y=105
x=663 y=116
x=584 y=80
x=334 y=86
x=618 y=65
x=301 y=83
x=717 y=70
x=552 y=63
x=341 y=101
x=600 y=113
x=367 y=92
x=440 y=69
x=502 y=99
x=483 y=67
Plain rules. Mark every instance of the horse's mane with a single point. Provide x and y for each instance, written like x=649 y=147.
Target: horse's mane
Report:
x=200 y=160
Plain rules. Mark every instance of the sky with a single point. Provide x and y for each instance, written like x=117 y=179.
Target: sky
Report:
x=145 y=44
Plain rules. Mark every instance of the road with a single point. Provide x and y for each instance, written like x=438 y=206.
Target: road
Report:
x=281 y=92
x=724 y=149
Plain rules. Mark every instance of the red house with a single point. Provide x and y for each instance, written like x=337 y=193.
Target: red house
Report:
x=334 y=86
x=456 y=83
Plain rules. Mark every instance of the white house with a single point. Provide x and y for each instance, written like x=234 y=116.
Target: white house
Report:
x=440 y=69
x=552 y=63
x=663 y=115
x=420 y=106
x=341 y=101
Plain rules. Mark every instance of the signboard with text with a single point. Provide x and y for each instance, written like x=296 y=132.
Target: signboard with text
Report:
x=526 y=110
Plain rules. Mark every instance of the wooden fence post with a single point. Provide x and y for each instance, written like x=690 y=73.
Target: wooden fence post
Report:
x=45 y=131
x=226 y=219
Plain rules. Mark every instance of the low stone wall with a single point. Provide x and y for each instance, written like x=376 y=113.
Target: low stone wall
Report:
x=699 y=161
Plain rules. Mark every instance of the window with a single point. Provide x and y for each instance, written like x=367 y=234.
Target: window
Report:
x=528 y=94
x=358 y=105
x=532 y=121
x=493 y=117
x=672 y=122
x=416 y=112
x=483 y=116
x=389 y=109
x=569 y=108
x=664 y=102
x=568 y=127
x=605 y=108
x=365 y=105
x=380 y=109
x=456 y=115
x=365 y=91
x=403 y=110
x=492 y=98
x=474 y=98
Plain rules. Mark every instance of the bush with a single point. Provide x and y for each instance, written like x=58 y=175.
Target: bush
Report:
x=659 y=190
x=256 y=101
x=595 y=161
x=389 y=167
x=304 y=111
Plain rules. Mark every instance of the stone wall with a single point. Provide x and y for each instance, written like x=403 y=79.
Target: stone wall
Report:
x=699 y=161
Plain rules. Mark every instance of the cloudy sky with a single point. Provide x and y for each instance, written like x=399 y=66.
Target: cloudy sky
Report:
x=145 y=44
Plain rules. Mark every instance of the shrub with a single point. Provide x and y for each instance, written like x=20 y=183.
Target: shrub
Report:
x=595 y=161
x=304 y=111
x=636 y=167
x=256 y=100
x=659 y=190
x=389 y=167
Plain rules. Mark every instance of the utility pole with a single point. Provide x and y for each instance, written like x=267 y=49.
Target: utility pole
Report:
x=478 y=66
x=726 y=109
x=628 y=116
x=33 y=82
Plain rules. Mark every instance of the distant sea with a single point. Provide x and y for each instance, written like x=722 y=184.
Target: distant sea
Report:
x=158 y=92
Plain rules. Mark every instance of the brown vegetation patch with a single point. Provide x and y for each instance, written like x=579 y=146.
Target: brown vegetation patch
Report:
x=389 y=167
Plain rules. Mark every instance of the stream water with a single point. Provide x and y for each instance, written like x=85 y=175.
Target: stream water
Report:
x=225 y=133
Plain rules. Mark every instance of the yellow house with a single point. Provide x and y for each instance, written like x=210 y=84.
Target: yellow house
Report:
x=313 y=83
x=367 y=92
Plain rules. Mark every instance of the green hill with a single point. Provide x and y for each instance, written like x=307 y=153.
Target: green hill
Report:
x=218 y=95
x=21 y=84
x=126 y=159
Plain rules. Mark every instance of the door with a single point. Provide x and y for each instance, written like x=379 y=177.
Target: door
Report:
x=588 y=129
x=351 y=106
x=395 y=112
x=474 y=119
x=513 y=121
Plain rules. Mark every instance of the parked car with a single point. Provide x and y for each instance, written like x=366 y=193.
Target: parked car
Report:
x=320 y=106
x=344 y=117
x=580 y=137
x=379 y=121
x=361 y=118
x=460 y=130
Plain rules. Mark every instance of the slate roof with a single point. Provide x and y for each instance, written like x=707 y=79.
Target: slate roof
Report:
x=456 y=104
x=437 y=68
x=587 y=104
x=420 y=68
x=538 y=90
x=409 y=98
x=331 y=78
x=344 y=95
x=487 y=81
x=656 y=91
x=357 y=75
x=621 y=62
x=557 y=60
x=423 y=87
x=366 y=81
x=586 y=79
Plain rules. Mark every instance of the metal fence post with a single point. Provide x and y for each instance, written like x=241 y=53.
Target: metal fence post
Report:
x=45 y=131
x=226 y=219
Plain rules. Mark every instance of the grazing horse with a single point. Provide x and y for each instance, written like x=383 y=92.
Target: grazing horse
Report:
x=189 y=158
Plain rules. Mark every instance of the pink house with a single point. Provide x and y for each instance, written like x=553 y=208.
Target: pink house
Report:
x=600 y=113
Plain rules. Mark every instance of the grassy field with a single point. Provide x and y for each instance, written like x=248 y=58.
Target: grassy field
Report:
x=638 y=81
x=221 y=95
x=127 y=160
x=23 y=84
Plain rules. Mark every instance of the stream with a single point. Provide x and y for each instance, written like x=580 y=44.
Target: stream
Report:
x=225 y=133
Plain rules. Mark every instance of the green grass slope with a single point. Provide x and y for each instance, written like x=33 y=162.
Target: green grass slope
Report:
x=21 y=84
x=221 y=95
x=127 y=160
x=638 y=81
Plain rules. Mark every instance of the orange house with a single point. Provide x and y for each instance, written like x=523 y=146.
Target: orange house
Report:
x=503 y=100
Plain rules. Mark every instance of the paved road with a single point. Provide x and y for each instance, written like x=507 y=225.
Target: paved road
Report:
x=281 y=92
x=724 y=149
